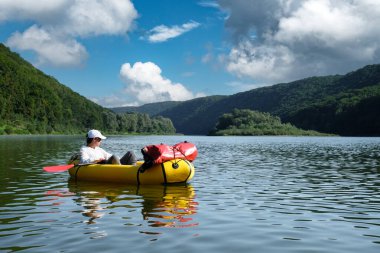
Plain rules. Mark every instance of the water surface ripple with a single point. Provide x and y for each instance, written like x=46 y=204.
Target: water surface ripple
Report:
x=249 y=194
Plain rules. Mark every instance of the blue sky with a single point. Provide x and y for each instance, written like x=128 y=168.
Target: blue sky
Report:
x=122 y=52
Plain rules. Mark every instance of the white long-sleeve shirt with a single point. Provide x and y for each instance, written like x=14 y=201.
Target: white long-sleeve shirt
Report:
x=90 y=155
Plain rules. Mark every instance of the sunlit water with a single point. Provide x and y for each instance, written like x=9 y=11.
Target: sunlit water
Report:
x=249 y=194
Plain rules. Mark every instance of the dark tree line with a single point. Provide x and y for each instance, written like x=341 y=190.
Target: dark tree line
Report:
x=248 y=122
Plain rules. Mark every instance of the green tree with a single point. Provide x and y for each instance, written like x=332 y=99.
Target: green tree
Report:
x=248 y=122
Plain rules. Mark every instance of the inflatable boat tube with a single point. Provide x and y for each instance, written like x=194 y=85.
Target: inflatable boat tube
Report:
x=173 y=171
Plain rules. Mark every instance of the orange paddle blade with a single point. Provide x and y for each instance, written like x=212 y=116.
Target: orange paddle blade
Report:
x=58 y=168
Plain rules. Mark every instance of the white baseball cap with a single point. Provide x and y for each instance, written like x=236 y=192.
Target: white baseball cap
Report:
x=95 y=134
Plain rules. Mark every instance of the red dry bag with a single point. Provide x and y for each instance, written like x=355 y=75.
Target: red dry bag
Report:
x=162 y=152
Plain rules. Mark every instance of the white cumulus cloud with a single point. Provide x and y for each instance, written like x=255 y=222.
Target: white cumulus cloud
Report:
x=40 y=11
x=58 y=25
x=163 y=33
x=49 y=48
x=283 y=40
x=145 y=82
x=260 y=62
x=102 y=17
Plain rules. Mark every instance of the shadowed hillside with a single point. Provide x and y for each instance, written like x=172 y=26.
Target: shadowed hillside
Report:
x=34 y=103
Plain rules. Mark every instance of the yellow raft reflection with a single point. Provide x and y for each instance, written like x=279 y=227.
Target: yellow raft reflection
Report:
x=174 y=171
x=161 y=206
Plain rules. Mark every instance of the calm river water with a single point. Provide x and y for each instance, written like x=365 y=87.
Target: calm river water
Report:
x=249 y=194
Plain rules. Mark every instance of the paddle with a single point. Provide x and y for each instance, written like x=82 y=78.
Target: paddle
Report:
x=58 y=168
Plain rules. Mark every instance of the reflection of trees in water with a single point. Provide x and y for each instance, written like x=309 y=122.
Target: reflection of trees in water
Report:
x=162 y=206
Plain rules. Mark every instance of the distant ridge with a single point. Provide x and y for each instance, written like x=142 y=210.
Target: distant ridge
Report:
x=151 y=108
x=339 y=104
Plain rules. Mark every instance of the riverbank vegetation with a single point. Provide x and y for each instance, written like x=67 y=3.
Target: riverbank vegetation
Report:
x=248 y=122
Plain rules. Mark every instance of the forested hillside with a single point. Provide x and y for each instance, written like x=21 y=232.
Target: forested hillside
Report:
x=341 y=104
x=248 y=122
x=32 y=102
